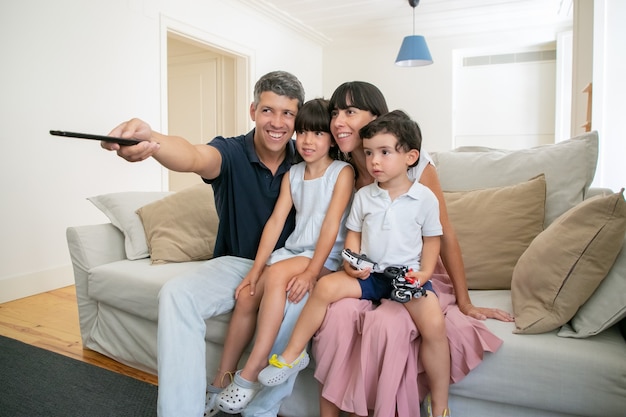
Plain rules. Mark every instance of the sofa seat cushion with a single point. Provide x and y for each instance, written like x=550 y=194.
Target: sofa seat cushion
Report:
x=548 y=372
x=133 y=286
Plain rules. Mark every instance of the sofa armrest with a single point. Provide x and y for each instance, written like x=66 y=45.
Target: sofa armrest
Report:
x=95 y=245
x=89 y=247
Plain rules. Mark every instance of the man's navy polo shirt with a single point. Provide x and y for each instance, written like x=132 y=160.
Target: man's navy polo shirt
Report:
x=245 y=194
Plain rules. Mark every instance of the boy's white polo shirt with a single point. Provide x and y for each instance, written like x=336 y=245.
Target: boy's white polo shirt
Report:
x=391 y=231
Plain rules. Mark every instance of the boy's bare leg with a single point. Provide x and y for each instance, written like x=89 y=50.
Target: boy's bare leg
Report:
x=434 y=350
x=331 y=288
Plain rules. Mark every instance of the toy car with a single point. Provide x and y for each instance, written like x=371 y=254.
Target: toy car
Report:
x=359 y=261
x=404 y=288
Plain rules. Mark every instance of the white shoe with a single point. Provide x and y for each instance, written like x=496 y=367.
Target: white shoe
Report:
x=237 y=395
x=278 y=371
x=210 y=406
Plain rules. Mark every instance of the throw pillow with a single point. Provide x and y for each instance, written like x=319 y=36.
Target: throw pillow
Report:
x=569 y=167
x=120 y=209
x=607 y=305
x=494 y=227
x=181 y=227
x=564 y=265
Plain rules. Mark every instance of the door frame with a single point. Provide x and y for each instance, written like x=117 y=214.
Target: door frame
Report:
x=244 y=76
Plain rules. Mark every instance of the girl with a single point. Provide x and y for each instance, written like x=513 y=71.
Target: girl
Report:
x=320 y=189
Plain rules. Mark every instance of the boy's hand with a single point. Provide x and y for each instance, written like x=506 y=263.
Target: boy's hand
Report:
x=419 y=276
x=356 y=273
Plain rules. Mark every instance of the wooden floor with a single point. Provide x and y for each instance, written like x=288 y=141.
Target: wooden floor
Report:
x=50 y=321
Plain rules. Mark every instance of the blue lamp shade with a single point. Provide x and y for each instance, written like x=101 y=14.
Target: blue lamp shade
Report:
x=414 y=52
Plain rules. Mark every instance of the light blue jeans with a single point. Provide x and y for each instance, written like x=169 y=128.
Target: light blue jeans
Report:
x=184 y=303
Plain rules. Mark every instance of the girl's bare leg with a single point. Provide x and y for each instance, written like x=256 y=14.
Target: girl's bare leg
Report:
x=434 y=350
x=331 y=288
x=240 y=332
x=270 y=316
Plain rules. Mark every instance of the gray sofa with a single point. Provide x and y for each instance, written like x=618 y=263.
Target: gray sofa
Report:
x=576 y=369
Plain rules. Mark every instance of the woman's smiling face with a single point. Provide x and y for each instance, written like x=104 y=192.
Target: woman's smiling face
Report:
x=345 y=125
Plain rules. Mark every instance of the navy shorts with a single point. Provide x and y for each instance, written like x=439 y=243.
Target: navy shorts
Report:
x=377 y=286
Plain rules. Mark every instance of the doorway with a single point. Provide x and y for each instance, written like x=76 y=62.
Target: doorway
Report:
x=207 y=95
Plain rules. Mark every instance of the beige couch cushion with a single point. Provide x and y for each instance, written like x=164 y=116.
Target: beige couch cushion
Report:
x=494 y=227
x=565 y=264
x=120 y=209
x=569 y=167
x=181 y=227
x=607 y=305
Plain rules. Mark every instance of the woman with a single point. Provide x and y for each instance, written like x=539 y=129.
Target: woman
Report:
x=375 y=366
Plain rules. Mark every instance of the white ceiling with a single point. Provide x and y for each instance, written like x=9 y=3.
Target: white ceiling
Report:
x=344 y=20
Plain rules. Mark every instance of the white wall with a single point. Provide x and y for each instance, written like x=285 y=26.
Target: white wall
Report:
x=424 y=92
x=609 y=90
x=87 y=66
x=517 y=98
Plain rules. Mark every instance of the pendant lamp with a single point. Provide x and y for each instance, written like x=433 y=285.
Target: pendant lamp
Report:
x=414 y=51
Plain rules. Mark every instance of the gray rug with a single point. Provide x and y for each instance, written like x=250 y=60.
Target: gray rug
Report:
x=37 y=383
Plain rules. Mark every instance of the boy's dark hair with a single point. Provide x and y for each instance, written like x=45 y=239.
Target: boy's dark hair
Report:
x=281 y=83
x=359 y=94
x=399 y=124
x=313 y=116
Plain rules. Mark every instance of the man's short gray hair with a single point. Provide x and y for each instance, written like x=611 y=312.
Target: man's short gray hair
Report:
x=279 y=82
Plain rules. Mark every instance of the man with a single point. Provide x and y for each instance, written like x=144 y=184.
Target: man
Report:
x=245 y=173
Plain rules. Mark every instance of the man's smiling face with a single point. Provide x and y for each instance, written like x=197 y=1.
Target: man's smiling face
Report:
x=274 y=117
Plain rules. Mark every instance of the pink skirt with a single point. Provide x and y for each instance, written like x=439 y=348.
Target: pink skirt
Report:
x=367 y=357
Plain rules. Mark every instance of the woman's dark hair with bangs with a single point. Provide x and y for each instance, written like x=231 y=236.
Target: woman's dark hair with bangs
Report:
x=313 y=116
x=359 y=94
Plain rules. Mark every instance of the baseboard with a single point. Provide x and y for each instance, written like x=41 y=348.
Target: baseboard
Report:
x=35 y=283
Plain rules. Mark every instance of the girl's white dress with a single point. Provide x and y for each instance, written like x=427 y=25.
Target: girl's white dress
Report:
x=311 y=199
